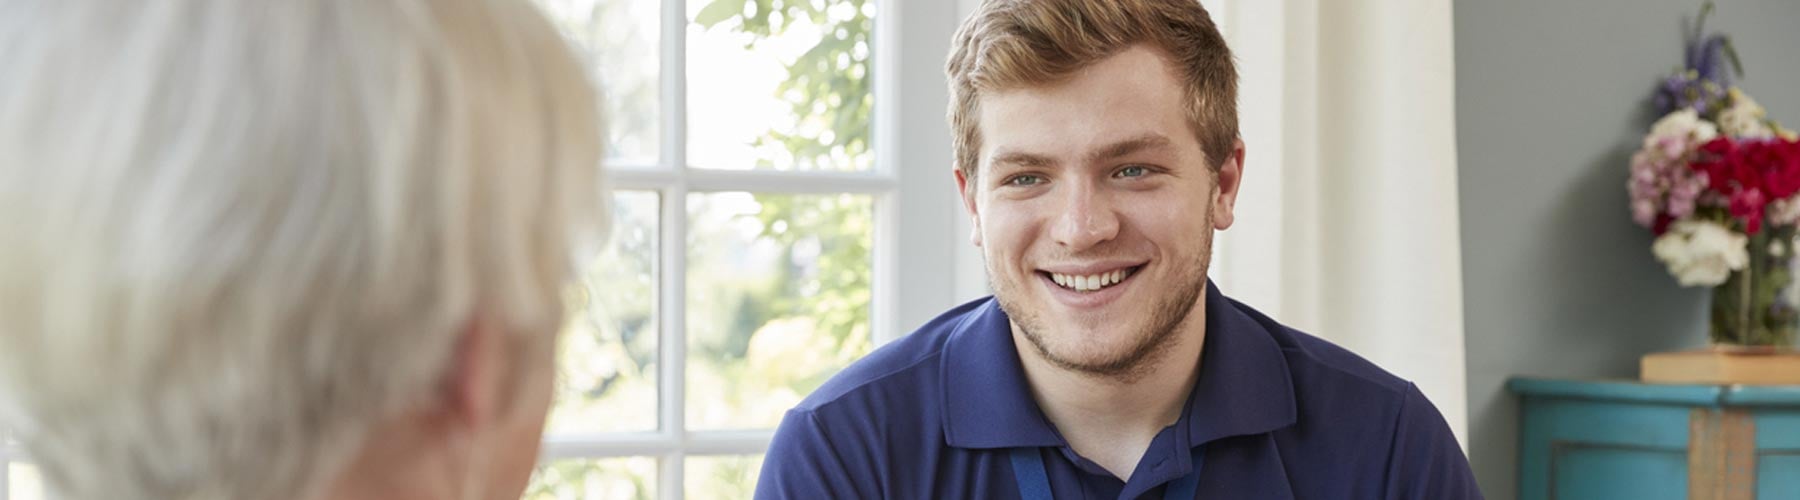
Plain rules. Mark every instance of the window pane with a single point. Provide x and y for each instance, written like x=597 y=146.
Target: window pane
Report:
x=24 y=482
x=620 y=40
x=607 y=379
x=779 y=84
x=722 y=477
x=778 y=301
x=603 y=479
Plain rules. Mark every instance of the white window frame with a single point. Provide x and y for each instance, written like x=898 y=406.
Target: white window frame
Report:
x=7 y=455
x=915 y=209
x=917 y=228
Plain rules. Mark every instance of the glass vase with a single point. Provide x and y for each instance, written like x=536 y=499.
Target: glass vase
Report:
x=1755 y=309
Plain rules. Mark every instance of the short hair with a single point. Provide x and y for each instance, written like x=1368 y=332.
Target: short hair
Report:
x=235 y=234
x=1013 y=44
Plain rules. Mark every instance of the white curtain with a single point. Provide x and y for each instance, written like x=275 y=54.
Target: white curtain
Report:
x=1347 y=225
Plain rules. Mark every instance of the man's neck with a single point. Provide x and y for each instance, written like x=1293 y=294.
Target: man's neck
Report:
x=1111 y=420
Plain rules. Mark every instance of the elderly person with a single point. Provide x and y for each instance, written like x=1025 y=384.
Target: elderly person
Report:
x=287 y=249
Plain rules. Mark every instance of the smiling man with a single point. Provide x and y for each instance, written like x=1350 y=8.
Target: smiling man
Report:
x=1097 y=152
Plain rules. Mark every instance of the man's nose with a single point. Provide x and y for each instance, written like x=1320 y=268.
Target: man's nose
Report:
x=1086 y=217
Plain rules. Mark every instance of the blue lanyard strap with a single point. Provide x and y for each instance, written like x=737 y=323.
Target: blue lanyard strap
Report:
x=1034 y=481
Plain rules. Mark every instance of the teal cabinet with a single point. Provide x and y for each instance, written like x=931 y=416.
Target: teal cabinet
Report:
x=1594 y=440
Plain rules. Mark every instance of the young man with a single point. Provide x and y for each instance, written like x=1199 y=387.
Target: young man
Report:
x=287 y=249
x=1097 y=151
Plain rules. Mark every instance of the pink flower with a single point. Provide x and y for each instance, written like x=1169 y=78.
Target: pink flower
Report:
x=1661 y=185
x=1672 y=146
x=1643 y=212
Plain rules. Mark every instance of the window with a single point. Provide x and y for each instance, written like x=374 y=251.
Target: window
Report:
x=18 y=480
x=754 y=234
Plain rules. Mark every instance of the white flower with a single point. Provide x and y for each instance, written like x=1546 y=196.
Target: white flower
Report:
x=1675 y=135
x=1784 y=212
x=1701 y=253
x=1684 y=124
x=1744 y=119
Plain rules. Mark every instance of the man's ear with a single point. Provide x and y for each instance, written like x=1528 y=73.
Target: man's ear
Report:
x=471 y=387
x=1229 y=180
x=967 y=191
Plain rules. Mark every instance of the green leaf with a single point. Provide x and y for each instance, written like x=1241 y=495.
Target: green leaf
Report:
x=1737 y=66
x=718 y=11
x=1700 y=22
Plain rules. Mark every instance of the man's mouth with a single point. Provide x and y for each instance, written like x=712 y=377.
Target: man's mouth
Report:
x=1091 y=282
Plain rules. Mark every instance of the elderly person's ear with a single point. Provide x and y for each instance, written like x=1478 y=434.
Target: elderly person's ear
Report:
x=472 y=387
x=492 y=376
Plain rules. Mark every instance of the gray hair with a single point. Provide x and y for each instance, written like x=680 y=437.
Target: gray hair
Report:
x=236 y=233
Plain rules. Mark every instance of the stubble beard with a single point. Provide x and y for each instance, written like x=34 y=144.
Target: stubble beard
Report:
x=1167 y=319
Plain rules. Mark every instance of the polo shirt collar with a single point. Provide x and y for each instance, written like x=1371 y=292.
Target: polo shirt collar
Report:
x=1244 y=385
x=987 y=402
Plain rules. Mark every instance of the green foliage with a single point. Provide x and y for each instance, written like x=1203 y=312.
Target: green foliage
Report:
x=827 y=88
x=610 y=478
x=1751 y=308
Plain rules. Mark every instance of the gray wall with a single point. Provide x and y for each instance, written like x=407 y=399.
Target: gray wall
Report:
x=1551 y=97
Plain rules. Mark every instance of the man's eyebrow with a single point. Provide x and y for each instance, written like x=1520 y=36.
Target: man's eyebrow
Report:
x=1108 y=152
x=1023 y=159
x=1129 y=146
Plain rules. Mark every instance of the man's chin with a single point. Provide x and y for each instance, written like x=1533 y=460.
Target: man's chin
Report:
x=1086 y=349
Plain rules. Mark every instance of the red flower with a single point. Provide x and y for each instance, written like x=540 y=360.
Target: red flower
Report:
x=1748 y=206
x=1750 y=175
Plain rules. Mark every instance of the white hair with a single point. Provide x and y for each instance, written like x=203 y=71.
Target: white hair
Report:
x=234 y=234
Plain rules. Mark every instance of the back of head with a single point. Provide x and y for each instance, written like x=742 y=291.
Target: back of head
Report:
x=237 y=232
x=1013 y=44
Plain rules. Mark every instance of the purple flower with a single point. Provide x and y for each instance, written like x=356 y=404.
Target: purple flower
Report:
x=1707 y=59
x=1704 y=77
x=1688 y=90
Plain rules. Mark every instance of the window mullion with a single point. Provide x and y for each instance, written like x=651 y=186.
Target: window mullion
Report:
x=609 y=445
x=885 y=132
x=6 y=461
x=672 y=346
x=729 y=443
x=780 y=182
x=884 y=318
x=927 y=252
x=639 y=179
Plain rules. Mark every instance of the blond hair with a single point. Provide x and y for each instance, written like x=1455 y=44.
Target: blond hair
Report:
x=1011 y=44
x=235 y=234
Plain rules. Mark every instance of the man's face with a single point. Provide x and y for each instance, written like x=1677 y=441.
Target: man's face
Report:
x=1095 y=206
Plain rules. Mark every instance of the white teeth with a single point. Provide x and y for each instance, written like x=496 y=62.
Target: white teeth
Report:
x=1091 y=282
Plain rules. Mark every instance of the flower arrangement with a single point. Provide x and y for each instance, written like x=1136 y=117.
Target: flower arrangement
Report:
x=1718 y=183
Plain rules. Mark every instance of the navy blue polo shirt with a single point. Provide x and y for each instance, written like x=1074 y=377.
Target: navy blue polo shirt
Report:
x=1281 y=414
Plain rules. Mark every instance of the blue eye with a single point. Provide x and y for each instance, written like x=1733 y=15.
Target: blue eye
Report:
x=1132 y=171
x=1024 y=180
